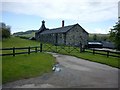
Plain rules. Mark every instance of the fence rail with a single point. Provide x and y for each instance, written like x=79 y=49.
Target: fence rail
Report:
x=28 y=50
x=104 y=52
x=52 y=48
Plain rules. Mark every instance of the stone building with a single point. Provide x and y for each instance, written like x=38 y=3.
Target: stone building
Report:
x=66 y=35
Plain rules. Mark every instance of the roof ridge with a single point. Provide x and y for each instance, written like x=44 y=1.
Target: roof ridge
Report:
x=64 y=26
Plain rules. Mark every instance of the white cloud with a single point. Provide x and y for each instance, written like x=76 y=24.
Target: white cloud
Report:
x=119 y=9
x=79 y=10
x=100 y=30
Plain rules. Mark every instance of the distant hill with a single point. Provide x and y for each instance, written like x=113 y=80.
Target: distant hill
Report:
x=100 y=37
x=29 y=33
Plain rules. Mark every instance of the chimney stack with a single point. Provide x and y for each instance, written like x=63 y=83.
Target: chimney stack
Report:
x=42 y=26
x=62 y=23
x=43 y=22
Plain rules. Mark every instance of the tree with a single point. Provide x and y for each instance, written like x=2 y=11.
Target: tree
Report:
x=115 y=34
x=104 y=38
x=94 y=37
x=4 y=30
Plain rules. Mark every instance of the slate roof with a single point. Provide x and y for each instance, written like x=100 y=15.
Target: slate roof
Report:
x=58 y=30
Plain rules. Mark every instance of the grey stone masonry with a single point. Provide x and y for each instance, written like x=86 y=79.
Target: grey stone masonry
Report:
x=73 y=35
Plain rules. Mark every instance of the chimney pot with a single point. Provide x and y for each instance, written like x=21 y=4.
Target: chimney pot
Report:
x=62 y=23
x=43 y=22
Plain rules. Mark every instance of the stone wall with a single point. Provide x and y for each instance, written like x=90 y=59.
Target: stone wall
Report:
x=48 y=38
x=61 y=39
x=76 y=36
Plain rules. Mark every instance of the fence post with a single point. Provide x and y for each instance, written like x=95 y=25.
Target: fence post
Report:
x=56 y=48
x=83 y=48
x=13 y=51
x=28 y=50
x=40 y=47
x=107 y=53
x=36 y=49
x=80 y=47
x=69 y=45
x=93 y=51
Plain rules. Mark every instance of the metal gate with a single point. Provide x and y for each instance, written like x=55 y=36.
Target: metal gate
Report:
x=60 y=48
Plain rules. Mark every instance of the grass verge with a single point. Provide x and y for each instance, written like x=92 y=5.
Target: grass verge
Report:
x=25 y=66
x=103 y=59
x=111 y=61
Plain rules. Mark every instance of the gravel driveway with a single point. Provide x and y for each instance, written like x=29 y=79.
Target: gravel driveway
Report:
x=74 y=72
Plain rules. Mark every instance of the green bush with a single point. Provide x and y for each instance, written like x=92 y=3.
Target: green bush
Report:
x=4 y=30
x=5 y=33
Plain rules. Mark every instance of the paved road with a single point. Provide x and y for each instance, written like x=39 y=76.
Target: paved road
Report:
x=75 y=73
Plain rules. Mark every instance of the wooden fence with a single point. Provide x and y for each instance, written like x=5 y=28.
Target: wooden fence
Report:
x=44 y=47
x=53 y=48
x=28 y=50
x=104 y=52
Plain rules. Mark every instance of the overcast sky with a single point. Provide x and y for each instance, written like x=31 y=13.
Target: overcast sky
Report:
x=119 y=9
x=95 y=16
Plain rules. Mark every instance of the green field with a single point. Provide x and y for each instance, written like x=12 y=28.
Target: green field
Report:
x=17 y=42
x=35 y=64
x=24 y=66
x=29 y=35
x=99 y=37
x=111 y=61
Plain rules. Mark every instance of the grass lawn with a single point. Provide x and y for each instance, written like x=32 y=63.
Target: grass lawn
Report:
x=18 y=42
x=29 y=35
x=111 y=61
x=35 y=64
x=25 y=66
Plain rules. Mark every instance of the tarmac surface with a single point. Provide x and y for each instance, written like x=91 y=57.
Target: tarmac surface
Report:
x=75 y=73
